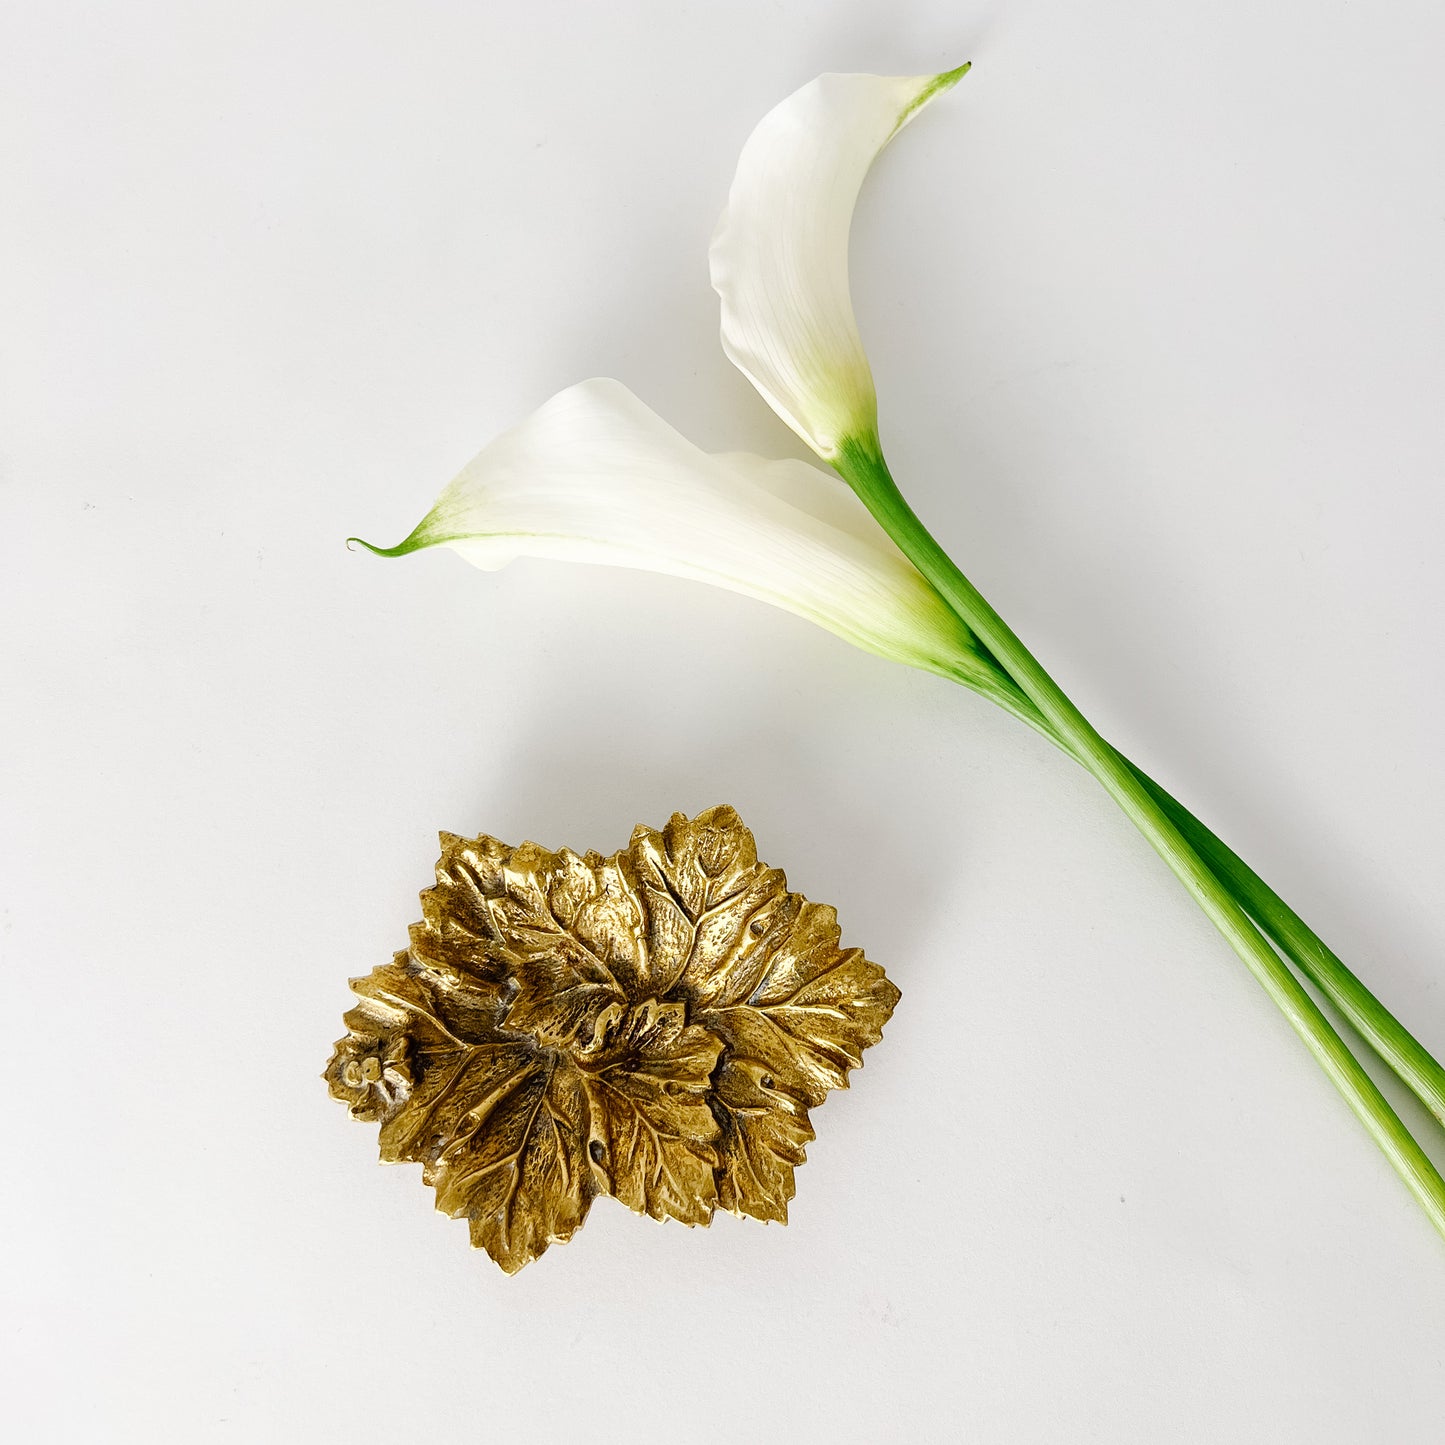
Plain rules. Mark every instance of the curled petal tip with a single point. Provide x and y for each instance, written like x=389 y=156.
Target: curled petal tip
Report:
x=944 y=80
x=409 y=544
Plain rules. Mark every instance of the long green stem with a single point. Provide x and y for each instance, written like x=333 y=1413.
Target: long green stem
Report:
x=1412 y=1062
x=1389 y=1038
x=868 y=475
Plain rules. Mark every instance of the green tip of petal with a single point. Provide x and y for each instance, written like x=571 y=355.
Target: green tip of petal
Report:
x=412 y=543
x=946 y=80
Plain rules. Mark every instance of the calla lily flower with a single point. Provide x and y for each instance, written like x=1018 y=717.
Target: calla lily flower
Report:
x=779 y=258
x=595 y=476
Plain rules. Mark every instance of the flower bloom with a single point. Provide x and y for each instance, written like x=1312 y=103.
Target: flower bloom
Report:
x=779 y=259
x=595 y=476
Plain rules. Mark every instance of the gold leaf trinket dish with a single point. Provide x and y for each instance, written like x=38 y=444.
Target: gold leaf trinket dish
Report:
x=655 y=1026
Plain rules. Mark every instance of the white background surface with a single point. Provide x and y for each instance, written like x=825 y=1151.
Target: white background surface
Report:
x=1155 y=302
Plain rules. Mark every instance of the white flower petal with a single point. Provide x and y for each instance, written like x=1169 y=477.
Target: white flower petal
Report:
x=779 y=258
x=595 y=476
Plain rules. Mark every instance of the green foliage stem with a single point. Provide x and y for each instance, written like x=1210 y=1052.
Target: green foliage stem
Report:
x=1164 y=824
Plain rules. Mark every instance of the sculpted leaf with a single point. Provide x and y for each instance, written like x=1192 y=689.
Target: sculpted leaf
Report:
x=764 y=1137
x=813 y=1011
x=498 y=1126
x=653 y=1125
x=458 y=932
x=517 y=1169
x=703 y=890
x=654 y=1026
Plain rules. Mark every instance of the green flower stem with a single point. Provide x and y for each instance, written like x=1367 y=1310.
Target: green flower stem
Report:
x=866 y=472
x=1389 y=1038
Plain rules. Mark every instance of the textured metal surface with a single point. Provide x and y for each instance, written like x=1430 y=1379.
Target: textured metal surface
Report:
x=654 y=1026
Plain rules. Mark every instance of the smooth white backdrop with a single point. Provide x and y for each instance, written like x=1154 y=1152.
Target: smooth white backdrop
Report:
x=1156 y=303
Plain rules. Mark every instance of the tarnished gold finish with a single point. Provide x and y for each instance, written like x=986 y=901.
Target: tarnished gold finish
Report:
x=654 y=1025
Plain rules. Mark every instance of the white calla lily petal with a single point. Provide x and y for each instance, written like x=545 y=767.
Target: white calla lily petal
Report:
x=779 y=258
x=595 y=476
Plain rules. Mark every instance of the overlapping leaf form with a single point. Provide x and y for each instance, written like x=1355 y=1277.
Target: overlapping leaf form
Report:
x=707 y=899
x=498 y=1124
x=812 y=1011
x=654 y=1026
x=764 y=1137
x=653 y=1125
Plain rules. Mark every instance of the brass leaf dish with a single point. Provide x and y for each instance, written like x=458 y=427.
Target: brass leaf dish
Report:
x=654 y=1026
